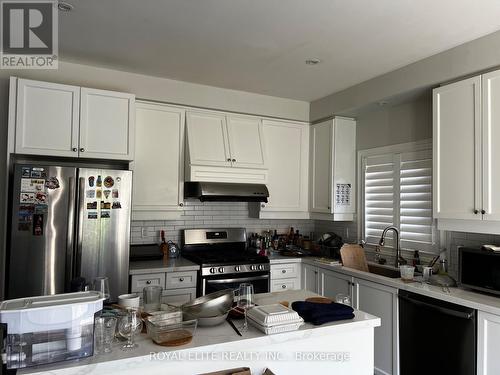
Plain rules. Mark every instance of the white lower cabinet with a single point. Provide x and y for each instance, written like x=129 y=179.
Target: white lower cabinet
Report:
x=178 y=287
x=370 y=297
x=332 y=283
x=488 y=342
x=178 y=296
x=285 y=276
x=310 y=278
x=381 y=301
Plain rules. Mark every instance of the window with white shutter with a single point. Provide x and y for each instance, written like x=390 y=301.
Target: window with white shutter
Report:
x=397 y=190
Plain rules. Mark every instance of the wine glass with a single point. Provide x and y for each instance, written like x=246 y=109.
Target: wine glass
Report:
x=127 y=327
x=343 y=299
x=245 y=301
x=101 y=285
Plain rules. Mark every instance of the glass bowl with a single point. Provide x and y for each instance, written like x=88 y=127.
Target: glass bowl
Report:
x=165 y=333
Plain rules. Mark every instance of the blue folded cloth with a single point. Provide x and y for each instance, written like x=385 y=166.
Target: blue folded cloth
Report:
x=320 y=313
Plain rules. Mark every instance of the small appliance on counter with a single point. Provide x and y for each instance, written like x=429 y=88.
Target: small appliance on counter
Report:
x=478 y=269
x=330 y=245
x=49 y=329
x=145 y=252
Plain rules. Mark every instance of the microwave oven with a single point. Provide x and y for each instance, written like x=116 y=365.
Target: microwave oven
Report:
x=479 y=269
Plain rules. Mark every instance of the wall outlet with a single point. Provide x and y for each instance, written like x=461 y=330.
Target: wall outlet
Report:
x=144 y=232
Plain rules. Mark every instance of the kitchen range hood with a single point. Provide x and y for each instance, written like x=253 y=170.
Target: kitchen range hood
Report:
x=226 y=192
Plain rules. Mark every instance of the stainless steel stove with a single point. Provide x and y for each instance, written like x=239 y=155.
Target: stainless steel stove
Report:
x=225 y=260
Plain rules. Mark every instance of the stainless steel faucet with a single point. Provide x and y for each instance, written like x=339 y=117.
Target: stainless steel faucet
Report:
x=399 y=259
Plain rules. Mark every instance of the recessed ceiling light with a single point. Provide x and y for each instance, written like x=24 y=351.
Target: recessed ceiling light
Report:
x=64 y=6
x=313 y=61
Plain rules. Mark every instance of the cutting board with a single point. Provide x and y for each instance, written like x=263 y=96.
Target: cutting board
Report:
x=353 y=256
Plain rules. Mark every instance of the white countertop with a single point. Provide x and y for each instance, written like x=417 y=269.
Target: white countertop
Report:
x=211 y=339
x=464 y=297
x=153 y=266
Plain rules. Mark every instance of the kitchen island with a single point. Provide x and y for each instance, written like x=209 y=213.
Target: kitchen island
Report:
x=343 y=347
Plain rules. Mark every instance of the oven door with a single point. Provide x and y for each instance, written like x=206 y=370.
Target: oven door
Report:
x=259 y=280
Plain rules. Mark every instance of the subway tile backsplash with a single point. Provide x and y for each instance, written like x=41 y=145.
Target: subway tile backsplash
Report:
x=235 y=214
x=212 y=215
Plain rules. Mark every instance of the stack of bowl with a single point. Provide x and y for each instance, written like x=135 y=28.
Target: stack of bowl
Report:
x=211 y=309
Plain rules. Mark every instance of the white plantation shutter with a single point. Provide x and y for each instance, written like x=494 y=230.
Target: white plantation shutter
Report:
x=397 y=190
x=416 y=221
x=379 y=197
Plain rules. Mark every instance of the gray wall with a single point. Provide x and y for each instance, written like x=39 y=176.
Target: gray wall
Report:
x=389 y=125
x=466 y=59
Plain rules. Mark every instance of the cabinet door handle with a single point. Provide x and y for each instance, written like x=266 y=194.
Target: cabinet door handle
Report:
x=181 y=204
x=82 y=149
x=181 y=279
x=476 y=212
x=483 y=212
x=283 y=286
x=283 y=271
x=74 y=149
x=263 y=205
x=148 y=282
x=233 y=160
x=228 y=159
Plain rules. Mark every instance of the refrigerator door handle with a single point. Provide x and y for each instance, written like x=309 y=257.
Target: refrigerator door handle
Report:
x=79 y=234
x=70 y=235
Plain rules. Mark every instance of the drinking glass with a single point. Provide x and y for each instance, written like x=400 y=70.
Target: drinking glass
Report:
x=127 y=327
x=101 y=284
x=104 y=334
x=343 y=299
x=151 y=297
x=427 y=273
x=245 y=301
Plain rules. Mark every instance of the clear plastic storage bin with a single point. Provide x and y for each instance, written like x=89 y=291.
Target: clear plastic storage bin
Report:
x=49 y=329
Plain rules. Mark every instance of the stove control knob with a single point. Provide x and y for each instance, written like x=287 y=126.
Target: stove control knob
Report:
x=261 y=267
x=237 y=268
x=221 y=269
x=213 y=270
x=253 y=268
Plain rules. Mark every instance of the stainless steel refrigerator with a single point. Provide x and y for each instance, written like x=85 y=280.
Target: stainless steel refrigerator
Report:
x=67 y=223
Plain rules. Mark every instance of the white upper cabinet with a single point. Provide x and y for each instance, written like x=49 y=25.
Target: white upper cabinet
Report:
x=466 y=126
x=106 y=124
x=62 y=120
x=207 y=139
x=246 y=142
x=491 y=145
x=456 y=150
x=287 y=151
x=321 y=157
x=225 y=148
x=47 y=118
x=157 y=192
x=333 y=169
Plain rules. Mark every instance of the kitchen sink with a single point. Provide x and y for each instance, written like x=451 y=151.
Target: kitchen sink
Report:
x=382 y=270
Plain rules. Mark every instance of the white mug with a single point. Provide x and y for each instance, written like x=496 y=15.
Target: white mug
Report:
x=129 y=300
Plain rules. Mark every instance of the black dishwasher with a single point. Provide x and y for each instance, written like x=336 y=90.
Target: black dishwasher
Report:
x=435 y=337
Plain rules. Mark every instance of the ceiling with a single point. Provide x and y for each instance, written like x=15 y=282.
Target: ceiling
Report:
x=261 y=45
